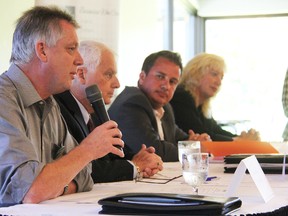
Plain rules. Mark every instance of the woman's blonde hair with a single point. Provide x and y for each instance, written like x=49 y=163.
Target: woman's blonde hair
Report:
x=195 y=69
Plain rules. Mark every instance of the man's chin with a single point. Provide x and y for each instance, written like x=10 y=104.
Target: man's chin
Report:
x=63 y=89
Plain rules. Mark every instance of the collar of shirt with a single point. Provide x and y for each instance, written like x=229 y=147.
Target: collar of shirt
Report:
x=159 y=113
x=84 y=112
x=24 y=87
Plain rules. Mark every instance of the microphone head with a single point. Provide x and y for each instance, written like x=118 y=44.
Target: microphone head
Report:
x=93 y=93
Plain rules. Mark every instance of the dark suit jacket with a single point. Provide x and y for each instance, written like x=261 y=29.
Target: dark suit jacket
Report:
x=106 y=169
x=135 y=117
x=188 y=116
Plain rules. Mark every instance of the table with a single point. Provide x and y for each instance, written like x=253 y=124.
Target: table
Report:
x=85 y=204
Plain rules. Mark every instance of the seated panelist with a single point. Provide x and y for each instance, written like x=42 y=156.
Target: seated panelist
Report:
x=200 y=82
x=39 y=158
x=100 y=68
x=144 y=114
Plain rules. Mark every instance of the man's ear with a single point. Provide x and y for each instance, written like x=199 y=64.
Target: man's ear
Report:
x=142 y=77
x=40 y=50
x=81 y=74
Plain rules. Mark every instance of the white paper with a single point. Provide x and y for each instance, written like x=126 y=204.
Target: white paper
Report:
x=256 y=173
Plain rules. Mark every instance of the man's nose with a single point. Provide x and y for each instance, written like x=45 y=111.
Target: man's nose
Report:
x=79 y=60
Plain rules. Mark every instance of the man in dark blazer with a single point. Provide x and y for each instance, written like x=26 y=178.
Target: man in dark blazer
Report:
x=144 y=114
x=100 y=68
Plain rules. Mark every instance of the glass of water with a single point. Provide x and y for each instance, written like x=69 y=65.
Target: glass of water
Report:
x=195 y=168
x=188 y=146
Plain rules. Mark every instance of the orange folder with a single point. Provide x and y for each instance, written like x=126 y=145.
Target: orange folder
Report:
x=219 y=149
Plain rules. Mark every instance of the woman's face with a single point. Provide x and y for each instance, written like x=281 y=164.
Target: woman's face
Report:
x=210 y=84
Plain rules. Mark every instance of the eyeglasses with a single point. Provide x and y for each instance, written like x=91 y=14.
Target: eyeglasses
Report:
x=157 y=179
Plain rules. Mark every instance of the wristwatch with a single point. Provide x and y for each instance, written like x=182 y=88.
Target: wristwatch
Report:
x=139 y=174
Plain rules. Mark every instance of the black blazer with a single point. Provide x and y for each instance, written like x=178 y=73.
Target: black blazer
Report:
x=188 y=116
x=106 y=169
x=135 y=117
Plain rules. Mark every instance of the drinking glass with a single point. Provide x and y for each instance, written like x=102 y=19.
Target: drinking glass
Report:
x=195 y=169
x=188 y=146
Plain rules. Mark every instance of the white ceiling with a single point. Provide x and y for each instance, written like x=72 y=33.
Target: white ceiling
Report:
x=212 y=8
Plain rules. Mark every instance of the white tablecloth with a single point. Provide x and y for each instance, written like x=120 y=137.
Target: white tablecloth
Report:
x=85 y=204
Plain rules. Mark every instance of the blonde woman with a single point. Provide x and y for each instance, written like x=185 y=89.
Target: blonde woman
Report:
x=200 y=81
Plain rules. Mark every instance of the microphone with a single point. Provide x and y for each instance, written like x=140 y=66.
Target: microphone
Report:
x=94 y=96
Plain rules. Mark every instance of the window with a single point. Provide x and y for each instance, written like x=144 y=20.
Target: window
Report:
x=255 y=51
x=143 y=32
x=183 y=31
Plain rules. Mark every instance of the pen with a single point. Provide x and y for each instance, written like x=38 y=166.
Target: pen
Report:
x=210 y=178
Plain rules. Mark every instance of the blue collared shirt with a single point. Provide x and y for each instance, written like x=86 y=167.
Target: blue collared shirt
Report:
x=32 y=134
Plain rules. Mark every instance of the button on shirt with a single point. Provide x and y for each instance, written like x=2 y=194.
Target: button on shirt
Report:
x=159 y=114
x=32 y=134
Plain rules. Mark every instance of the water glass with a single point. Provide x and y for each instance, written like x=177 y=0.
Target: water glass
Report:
x=188 y=146
x=195 y=167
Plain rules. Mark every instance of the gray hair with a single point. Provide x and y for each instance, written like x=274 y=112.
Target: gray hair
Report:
x=38 y=23
x=91 y=52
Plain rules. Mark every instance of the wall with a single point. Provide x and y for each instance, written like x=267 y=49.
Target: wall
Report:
x=10 y=10
x=140 y=32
